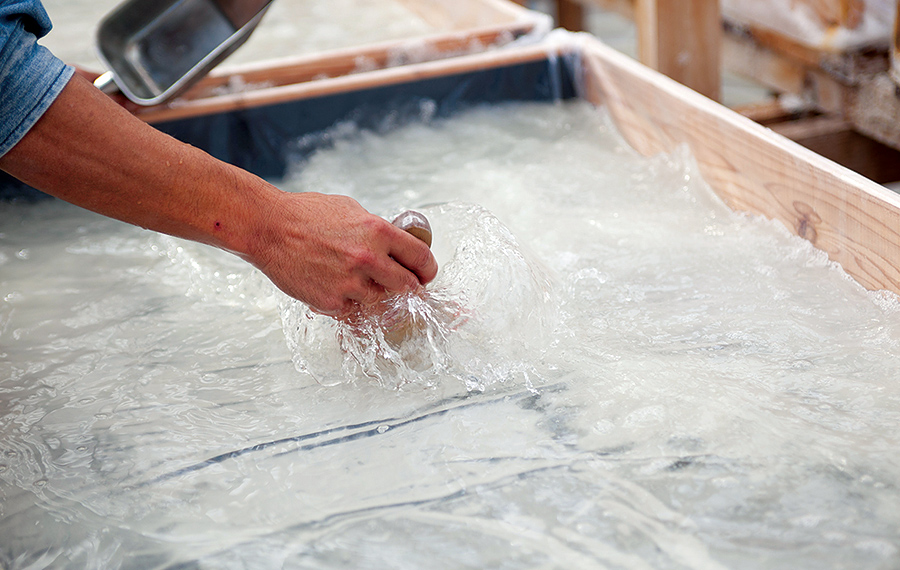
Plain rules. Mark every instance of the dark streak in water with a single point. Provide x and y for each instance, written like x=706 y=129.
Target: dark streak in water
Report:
x=331 y=519
x=373 y=430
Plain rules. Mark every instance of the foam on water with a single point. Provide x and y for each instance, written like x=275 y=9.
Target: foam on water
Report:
x=461 y=327
x=613 y=370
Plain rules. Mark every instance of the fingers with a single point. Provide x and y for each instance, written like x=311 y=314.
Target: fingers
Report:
x=380 y=278
x=415 y=256
x=399 y=261
x=336 y=257
x=357 y=302
x=369 y=294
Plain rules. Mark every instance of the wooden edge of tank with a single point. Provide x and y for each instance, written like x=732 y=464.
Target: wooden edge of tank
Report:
x=753 y=169
x=493 y=24
x=255 y=96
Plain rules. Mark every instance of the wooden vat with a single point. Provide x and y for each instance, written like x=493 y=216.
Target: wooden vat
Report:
x=439 y=24
x=461 y=26
x=854 y=220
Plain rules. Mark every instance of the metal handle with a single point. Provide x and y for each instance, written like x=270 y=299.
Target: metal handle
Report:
x=107 y=83
x=416 y=224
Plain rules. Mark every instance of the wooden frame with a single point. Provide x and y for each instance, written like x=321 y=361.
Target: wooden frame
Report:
x=468 y=26
x=895 y=48
x=852 y=84
x=854 y=220
x=682 y=39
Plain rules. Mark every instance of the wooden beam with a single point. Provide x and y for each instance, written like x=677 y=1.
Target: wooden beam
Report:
x=853 y=219
x=743 y=55
x=682 y=39
x=772 y=112
x=570 y=15
x=895 y=48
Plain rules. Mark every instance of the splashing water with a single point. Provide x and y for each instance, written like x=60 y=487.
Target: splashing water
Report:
x=460 y=327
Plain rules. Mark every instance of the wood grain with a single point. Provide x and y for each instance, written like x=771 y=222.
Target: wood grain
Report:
x=855 y=221
x=682 y=39
x=465 y=26
x=269 y=95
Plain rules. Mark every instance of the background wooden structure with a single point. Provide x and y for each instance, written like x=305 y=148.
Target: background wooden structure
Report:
x=665 y=44
x=842 y=104
x=854 y=220
x=681 y=38
x=465 y=26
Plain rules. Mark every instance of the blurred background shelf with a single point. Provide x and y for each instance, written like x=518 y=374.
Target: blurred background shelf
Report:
x=824 y=73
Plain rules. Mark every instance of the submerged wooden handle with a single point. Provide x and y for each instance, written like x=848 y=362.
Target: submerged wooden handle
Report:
x=416 y=224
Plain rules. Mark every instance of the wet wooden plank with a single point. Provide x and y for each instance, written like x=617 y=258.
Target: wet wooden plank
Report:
x=854 y=220
x=274 y=91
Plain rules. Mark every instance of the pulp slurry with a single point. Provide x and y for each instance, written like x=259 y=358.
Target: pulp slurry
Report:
x=613 y=371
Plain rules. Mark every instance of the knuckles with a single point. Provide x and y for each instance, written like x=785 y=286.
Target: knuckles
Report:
x=361 y=259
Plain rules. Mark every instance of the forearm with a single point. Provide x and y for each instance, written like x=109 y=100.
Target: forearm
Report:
x=324 y=250
x=89 y=151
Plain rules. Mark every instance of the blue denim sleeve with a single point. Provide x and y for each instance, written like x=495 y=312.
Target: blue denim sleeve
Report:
x=30 y=76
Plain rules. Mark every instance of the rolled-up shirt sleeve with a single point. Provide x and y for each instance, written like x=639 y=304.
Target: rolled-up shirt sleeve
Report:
x=31 y=77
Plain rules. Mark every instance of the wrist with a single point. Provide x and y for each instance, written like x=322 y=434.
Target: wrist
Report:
x=250 y=227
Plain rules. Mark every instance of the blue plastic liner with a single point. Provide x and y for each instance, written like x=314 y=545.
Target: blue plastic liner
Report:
x=264 y=139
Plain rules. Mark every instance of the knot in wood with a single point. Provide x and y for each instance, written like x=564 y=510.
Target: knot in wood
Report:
x=807 y=220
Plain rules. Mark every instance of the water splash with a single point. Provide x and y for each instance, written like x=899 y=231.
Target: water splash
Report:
x=459 y=327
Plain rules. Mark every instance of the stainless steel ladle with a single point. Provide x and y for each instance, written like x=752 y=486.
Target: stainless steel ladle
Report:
x=155 y=50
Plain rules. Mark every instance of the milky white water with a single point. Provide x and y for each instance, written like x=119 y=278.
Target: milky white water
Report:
x=624 y=375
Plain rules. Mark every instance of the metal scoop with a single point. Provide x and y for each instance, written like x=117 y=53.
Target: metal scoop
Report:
x=157 y=49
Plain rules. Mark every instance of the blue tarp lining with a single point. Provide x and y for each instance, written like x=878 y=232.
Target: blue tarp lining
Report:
x=264 y=139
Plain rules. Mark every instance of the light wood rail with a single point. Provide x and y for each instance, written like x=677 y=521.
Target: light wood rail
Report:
x=854 y=220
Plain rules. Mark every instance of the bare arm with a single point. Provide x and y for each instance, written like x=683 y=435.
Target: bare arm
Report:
x=324 y=250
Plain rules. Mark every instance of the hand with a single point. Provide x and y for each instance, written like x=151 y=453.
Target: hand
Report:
x=335 y=256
